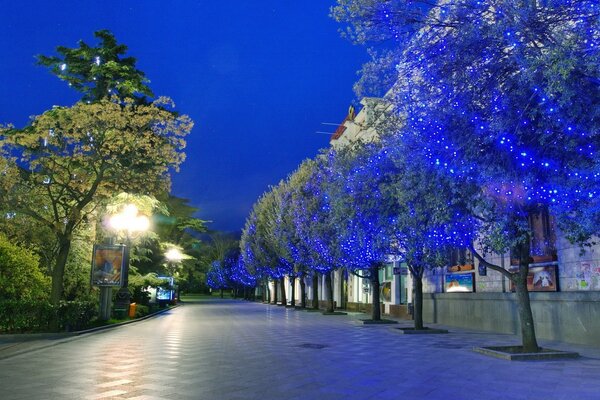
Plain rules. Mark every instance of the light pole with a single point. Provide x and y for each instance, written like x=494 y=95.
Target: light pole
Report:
x=129 y=224
x=174 y=256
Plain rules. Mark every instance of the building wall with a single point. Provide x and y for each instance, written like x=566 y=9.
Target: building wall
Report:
x=565 y=316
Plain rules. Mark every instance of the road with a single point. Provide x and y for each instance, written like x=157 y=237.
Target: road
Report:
x=225 y=349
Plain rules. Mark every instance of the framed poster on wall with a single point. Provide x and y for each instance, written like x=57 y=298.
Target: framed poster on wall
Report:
x=107 y=265
x=540 y=279
x=459 y=282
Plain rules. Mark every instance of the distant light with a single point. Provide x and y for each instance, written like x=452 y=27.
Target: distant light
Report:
x=174 y=255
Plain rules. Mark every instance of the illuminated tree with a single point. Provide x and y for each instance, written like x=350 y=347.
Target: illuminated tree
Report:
x=502 y=95
x=294 y=217
x=316 y=226
x=248 y=246
x=216 y=277
x=363 y=210
x=70 y=159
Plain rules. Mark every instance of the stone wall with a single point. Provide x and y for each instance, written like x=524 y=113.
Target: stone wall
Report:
x=566 y=316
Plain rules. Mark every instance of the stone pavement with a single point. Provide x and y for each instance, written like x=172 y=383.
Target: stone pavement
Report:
x=225 y=349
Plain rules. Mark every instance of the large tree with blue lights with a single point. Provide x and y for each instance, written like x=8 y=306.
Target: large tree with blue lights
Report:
x=504 y=95
x=318 y=228
x=298 y=215
x=363 y=211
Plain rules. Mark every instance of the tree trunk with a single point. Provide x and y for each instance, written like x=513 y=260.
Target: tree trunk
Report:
x=374 y=278
x=528 y=337
x=418 y=301
x=329 y=288
x=293 y=299
x=266 y=292
x=58 y=272
x=302 y=292
x=275 y=291
x=315 y=291
x=221 y=292
x=283 y=297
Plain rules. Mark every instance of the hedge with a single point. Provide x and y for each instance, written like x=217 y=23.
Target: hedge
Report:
x=23 y=316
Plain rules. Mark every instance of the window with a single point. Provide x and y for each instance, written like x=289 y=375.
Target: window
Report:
x=543 y=236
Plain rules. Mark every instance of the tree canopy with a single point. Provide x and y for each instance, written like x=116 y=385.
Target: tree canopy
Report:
x=99 y=72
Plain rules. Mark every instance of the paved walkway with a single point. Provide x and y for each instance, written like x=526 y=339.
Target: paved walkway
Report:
x=224 y=349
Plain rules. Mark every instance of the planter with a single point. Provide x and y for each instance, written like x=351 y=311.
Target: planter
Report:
x=424 y=331
x=515 y=353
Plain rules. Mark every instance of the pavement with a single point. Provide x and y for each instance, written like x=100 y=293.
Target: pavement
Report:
x=228 y=349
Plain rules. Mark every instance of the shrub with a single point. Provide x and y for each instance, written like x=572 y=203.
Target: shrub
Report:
x=76 y=315
x=20 y=275
x=19 y=316
x=141 y=310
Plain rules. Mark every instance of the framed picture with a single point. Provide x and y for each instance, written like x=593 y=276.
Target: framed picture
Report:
x=459 y=283
x=386 y=291
x=108 y=265
x=540 y=279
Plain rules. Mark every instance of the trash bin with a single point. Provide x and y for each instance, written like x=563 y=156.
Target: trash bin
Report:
x=132 y=308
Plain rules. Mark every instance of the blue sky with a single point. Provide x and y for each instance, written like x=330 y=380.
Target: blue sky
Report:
x=257 y=77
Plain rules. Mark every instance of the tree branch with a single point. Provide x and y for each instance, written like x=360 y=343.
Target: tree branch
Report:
x=489 y=265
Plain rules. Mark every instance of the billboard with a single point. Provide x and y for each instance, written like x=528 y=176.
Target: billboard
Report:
x=539 y=279
x=108 y=265
x=166 y=293
x=460 y=282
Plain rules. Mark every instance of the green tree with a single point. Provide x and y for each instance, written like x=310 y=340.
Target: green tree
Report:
x=98 y=72
x=70 y=159
x=20 y=275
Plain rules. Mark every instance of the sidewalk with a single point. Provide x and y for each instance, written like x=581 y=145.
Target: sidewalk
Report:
x=235 y=350
x=14 y=344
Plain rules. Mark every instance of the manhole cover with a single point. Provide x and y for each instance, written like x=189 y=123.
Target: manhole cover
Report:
x=312 y=346
x=447 y=346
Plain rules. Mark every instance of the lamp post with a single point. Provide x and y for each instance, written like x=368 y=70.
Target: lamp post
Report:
x=174 y=256
x=129 y=224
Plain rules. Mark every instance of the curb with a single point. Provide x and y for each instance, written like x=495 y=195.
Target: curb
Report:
x=61 y=337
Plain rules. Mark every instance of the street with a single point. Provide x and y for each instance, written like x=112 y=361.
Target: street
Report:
x=226 y=349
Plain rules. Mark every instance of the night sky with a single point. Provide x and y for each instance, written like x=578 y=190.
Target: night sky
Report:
x=257 y=77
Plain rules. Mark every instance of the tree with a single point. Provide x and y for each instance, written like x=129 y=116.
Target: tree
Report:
x=364 y=210
x=516 y=113
x=271 y=253
x=316 y=224
x=293 y=215
x=216 y=277
x=213 y=257
x=70 y=159
x=99 y=72
x=248 y=246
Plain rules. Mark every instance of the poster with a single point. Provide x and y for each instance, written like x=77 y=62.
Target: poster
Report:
x=107 y=265
x=386 y=291
x=540 y=279
x=459 y=283
x=584 y=276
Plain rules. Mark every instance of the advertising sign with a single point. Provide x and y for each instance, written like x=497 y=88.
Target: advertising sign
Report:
x=540 y=279
x=165 y=293
x=108 y=265
x=459 y=282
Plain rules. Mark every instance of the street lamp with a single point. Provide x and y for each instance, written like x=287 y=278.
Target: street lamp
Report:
x=174 y=256
x=130 y=225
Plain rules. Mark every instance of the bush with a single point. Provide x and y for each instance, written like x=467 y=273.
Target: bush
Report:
x=141 y=310
x=76 y=315
x=18 y=316
x=20 y=275
x=21 y=316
